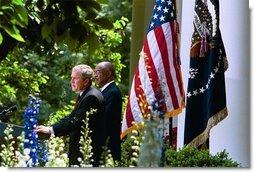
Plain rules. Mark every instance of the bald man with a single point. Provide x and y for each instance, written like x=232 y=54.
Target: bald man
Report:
x=104 y=77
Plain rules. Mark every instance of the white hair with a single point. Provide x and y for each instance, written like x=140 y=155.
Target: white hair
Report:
x=85 y=70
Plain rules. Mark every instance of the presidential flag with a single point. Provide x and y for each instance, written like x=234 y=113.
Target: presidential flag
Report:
x=206 y=95
x=158 y=75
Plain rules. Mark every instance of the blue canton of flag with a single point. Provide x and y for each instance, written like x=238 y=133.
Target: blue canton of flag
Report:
x=206 y=95
x=163 y=11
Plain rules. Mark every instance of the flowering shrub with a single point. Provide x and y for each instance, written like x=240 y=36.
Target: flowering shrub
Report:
x=144 y=149
x=10 y=155
x=130 y=150
x=57 y=157
x=31 y=137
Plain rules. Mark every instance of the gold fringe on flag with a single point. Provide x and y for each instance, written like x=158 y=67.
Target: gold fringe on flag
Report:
x=214 y=120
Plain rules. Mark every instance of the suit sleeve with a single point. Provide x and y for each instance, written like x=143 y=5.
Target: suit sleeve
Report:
x=74 y=121
x=113 y=109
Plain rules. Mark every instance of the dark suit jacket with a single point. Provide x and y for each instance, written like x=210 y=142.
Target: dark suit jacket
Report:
x=91 y=98
x=113 y=111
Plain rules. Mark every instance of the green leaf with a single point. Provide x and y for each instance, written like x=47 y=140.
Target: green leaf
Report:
x=17 y=2
x=45 y=31
x=7 y=8
x=13 y=32
x=22 y=14
x=1 y=38
x=103 y=1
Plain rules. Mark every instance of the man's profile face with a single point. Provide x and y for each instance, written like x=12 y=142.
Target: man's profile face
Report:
x=100 y=76
x=77 y=82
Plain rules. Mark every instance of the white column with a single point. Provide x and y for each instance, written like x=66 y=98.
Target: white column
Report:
x=233 y=133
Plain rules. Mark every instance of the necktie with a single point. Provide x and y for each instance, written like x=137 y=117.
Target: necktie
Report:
x=77 y=101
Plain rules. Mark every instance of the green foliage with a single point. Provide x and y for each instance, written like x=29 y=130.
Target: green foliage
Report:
x=12 y=16
x=10 y=149
x=47 y=22
x=13 y=77
x=47 y=72
x=58 y=115
x=16 y=83
x=116 y=9
x=193 y=157
x=70 y=22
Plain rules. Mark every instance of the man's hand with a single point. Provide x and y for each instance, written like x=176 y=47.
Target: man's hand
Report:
x=43 y=129
x=44 y=132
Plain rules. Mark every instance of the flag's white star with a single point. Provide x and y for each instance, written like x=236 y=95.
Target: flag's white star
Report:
x=169 y=2
x=152 y=24
x=201 y=90
x=165 y=10
x=188 y=94
x=155 y=16
x=211 y=75
x=195 y=92
x=162 y=18
x=159 y=8
x=209 y=81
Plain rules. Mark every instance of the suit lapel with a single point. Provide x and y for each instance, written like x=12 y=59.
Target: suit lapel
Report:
x=82 y=96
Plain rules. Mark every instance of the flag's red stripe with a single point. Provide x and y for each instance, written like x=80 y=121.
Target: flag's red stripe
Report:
x=164 y=54
x=176 y=65
x=154 y=76
x=139 y=91
x=129 y=115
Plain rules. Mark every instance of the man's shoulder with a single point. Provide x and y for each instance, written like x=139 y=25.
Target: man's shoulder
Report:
x=112 y=92
x=94 y=92
x=112 y=88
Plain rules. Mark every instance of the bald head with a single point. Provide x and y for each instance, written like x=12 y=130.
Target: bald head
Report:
x=107 y=66
x=104 y=73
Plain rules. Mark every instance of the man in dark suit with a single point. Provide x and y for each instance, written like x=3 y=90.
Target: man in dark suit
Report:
x=104 y=76
x=88 y=98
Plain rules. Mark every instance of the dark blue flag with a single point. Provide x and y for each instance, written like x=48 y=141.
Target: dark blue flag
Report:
x=206 y=95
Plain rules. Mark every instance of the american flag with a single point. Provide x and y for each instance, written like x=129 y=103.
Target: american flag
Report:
x=158 y=75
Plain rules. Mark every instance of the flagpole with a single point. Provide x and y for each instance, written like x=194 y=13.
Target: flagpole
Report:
x=141 y=13
x=170 y=126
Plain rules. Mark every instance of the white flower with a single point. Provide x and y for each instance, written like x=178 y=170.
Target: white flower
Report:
x=133 y=137
x=135 y=154
x=26 y=151
x=134 y=132
x=134 y=159
x=61 y=149
x=79 y=159
x=64 y=155
x=135 y=147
